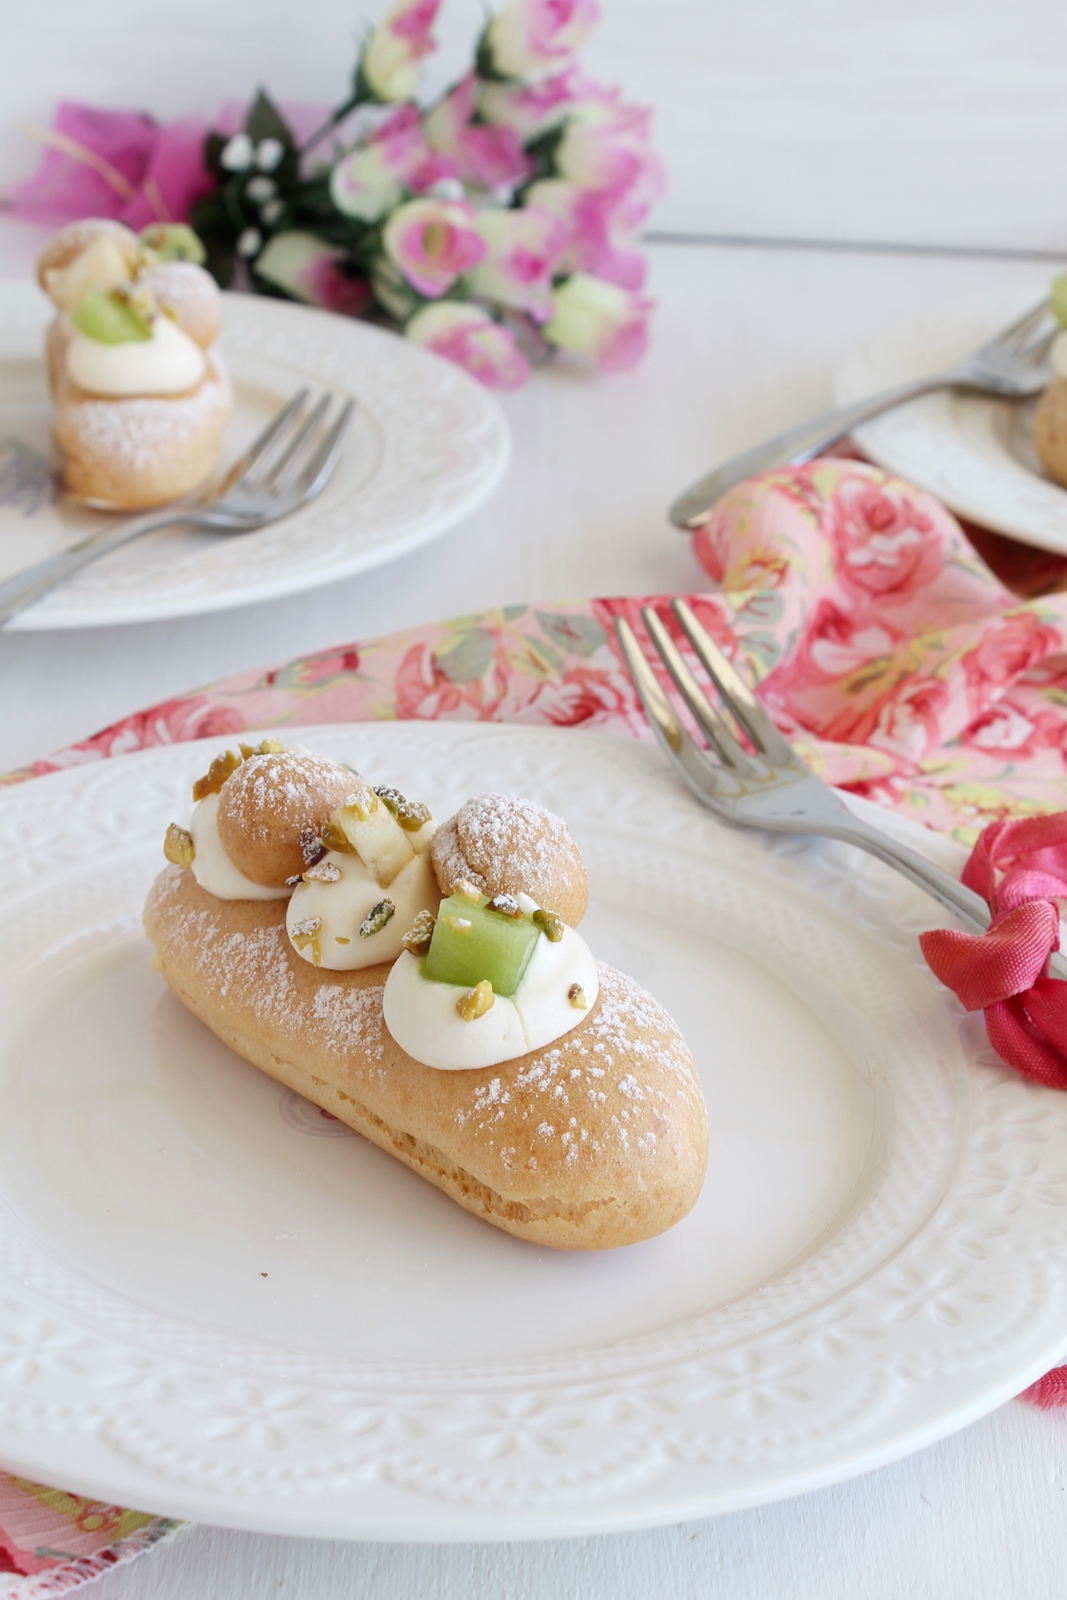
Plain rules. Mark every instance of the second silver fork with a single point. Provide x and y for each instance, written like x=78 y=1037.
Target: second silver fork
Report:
x=284 y=468
x=768 y=786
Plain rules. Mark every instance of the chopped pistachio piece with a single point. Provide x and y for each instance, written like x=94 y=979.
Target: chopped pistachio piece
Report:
x=267 y=747
x=576 y=996
x=335 y=838
x=376 y=918
x=505 y=905
x=323 y=872
x=306 y=932
x=216 y=775
x=174 y=241
x=417 y=939
x=410 y=814
x=476 y=1002
x=550 y=925
x=178 y=846
x=363 y=803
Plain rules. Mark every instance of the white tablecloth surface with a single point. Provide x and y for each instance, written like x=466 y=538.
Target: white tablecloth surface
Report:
x=744 y=341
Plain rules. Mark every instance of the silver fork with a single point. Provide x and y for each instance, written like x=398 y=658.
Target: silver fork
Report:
x=769 y=786
x=1012 y=365
x=283 y=469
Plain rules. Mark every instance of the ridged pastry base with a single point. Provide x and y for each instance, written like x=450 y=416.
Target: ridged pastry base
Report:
x=597 y=1141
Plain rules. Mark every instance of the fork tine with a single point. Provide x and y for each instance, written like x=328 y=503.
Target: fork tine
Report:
x=1015 y=331
x=707 y=782
x=263 y=441
x=298 y=440
x=319 y=469
x=734 y=690
x=713 y=724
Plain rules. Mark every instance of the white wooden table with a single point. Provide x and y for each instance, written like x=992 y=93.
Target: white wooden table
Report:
x=745 y=340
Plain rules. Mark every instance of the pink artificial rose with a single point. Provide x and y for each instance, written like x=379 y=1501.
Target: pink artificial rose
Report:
x=530 y=37
x=605 y=147
x=596 y=245
x=306 y=267
x=531 y=108
x=523 y=248
x=433 y=242
x=490 y=157
x=117 y=164
x=372 y=179
x=883 y=543
x=468 y=336
x=389 y=64
x=599 y=320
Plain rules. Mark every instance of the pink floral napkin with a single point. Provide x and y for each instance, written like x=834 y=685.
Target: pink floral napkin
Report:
x=884 y=646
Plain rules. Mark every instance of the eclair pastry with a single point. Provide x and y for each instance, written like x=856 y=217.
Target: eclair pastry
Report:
x=551 y=1096
x=141 y=395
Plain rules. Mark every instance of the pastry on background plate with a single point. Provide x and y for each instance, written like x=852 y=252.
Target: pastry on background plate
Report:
x=1050 y=418
x=141 y=394
x=419 y=983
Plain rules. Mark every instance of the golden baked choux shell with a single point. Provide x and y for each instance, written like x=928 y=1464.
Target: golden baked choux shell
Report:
x=504 y=845
x=70 y=241
x=273 y=806
x=129 y=453
x=190 y=295
x=1050 y=430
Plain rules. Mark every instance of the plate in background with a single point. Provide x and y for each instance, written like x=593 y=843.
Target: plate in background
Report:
x=426 y=446
x=974 y=452
x=217 y=1304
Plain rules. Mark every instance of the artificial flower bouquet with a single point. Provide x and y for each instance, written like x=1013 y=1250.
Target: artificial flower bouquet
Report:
x=496 y=225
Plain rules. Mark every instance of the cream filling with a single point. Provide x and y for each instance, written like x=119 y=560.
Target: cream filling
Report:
x=340 y=904
x=167 y=363
x=421 y=1015
x=212 y=867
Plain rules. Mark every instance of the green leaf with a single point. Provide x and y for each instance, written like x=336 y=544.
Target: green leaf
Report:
x=265 y=121
x=510 y=613
x=578 y=635
x=468 y=658
x=763 y=645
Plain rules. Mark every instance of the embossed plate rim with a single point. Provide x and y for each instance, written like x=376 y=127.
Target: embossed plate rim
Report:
x=661 y=1430
x=955 y=445
x=438 y=460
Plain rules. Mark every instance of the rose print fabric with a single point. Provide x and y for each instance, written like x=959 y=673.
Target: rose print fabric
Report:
x=882 y=644
x=880 y=641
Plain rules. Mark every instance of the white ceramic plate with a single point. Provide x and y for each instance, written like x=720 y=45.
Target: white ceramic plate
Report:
x=426 y=446
x=217 y=1304
x=974 y=453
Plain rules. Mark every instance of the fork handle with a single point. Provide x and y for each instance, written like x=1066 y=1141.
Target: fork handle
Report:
x=24 y=587
x=694 y=507
x=951 y=893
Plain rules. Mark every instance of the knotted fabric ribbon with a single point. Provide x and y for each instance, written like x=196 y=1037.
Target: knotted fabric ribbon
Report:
x=1020 y=870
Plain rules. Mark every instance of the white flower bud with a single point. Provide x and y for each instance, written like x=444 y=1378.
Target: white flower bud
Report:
x=261 y=189
x=249 y=242
x=268 y=154
x=237 y=154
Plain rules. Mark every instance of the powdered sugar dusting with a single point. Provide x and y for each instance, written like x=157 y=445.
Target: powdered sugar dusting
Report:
x=137 y=431
x=499 y=841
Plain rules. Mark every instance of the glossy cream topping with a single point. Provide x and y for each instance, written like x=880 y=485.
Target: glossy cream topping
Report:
x=212 y=867
x=167 y=363
x=101 y=265
x=337 y=897
x=422 y=1017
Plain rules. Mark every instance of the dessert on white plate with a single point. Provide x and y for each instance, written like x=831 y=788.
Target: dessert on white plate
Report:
x=141 y=394
x=397 y=974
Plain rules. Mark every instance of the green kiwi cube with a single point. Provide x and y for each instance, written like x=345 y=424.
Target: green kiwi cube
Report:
x=470 y=943
x=109 y=320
